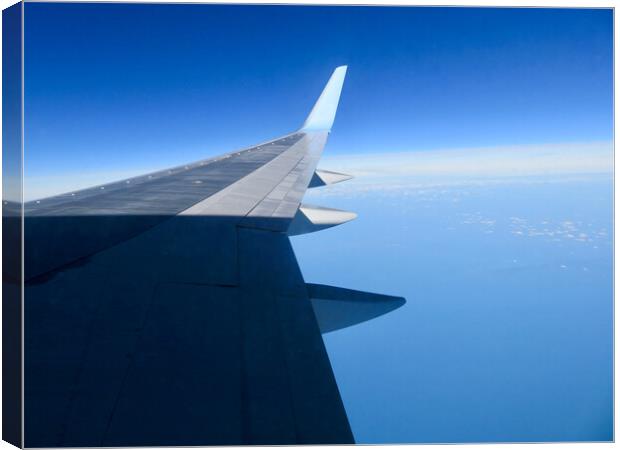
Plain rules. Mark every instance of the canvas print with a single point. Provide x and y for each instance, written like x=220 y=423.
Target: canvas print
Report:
x=295 y=224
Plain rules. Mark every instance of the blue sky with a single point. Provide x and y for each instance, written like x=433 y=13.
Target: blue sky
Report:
x=113 y=90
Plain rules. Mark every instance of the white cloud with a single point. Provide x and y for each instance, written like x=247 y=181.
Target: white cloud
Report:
x=435 y=169
x=573 y=158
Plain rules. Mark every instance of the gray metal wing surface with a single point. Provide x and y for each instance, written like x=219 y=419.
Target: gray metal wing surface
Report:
x=169 y=309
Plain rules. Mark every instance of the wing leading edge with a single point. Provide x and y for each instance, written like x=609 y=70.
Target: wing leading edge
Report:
x=169 y=309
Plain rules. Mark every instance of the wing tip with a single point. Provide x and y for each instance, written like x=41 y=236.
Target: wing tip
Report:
x=322 y=116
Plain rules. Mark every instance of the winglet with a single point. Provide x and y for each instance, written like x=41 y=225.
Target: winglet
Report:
x=322 y=115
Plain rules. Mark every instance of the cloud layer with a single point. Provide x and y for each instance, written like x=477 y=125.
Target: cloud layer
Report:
x=510 y=161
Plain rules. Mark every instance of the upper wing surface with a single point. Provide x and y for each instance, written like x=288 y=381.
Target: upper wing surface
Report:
x=166 y=192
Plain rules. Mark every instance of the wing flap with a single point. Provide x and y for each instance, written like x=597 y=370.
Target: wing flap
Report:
x=326 y=177
x=336 y=308
x=311 y=218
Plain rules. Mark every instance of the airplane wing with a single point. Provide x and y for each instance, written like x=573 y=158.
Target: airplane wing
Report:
x=169 y=309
